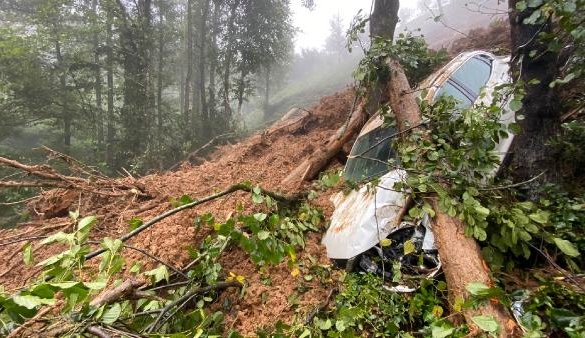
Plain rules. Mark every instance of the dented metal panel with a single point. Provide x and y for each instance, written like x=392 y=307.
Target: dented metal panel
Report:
x=365 y=216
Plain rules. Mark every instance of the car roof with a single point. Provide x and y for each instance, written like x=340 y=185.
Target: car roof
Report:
x=433 y=82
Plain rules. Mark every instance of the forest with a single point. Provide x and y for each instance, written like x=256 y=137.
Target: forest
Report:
x=137 y=84
x=151 y=206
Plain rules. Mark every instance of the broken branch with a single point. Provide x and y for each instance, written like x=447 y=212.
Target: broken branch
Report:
x=232 y=189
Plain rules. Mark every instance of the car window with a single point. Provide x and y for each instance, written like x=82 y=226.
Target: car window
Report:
x=466 y=83
x=463 y=101
x=369 y=155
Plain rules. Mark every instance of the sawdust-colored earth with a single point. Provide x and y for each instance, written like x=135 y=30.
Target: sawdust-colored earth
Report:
x=264 y=158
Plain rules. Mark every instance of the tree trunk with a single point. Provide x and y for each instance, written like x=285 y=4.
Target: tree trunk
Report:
x=382 y=25
x=98 y=83
x=213 y=55
x=460 y=255
x=189 y=73
x=66 y=115
x=202 y=61
x=266 y=90
x=532 y=154
x=110 y=79
x=228 y=61
x=159 y=85
x=384 y=19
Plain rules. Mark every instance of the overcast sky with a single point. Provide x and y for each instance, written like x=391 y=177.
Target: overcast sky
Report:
x=314 y=25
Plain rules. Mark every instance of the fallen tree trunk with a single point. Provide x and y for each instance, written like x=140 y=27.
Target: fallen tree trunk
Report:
x=462 y=265
x=460 y=255
x=312 y=166
x=49 y=177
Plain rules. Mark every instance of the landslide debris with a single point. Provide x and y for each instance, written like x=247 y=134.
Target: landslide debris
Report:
x=264 y=158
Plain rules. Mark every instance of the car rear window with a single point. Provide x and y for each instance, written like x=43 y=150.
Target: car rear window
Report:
x=466 y=83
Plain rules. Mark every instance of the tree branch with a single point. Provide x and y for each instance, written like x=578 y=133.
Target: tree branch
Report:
x=230 y=190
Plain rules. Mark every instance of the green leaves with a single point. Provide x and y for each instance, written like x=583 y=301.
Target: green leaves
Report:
x=111 y=314
x=566 y=247
x=158 y=274
x=31 y=302
x=27 y=254
x=486 y=323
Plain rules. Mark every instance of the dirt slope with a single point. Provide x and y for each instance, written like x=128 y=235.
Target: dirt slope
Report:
x=263 y=158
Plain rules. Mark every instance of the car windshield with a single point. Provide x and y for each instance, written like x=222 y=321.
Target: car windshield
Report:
x=370 y=154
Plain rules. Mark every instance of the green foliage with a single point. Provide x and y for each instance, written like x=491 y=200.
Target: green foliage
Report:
x=456 y=161
x=364 y=306
x=556 y=308
x=411 y=51
x=269 y=238
x=569 y=31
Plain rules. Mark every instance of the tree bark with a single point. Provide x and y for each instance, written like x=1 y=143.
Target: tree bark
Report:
x=532 y=153
x=384 y=19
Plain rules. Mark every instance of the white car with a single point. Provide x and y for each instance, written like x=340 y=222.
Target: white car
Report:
x=364 y=218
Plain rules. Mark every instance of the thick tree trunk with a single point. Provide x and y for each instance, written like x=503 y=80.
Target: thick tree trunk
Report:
x=384 y=19
x=532 y=154
x=460 y=255
x=463 y=264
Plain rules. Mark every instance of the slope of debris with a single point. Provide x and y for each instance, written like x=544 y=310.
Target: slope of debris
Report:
x=264 y=158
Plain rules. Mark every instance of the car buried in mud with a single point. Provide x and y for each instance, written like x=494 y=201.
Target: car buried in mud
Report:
x=367 y=232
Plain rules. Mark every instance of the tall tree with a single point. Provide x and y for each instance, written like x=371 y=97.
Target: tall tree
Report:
x=534 y=69
x=335 y=42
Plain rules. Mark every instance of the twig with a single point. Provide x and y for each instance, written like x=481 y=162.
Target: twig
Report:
x=346 y=123
x=188 y=295
x=166 y=286
x=74 y=162
x=556 y=266
x=124 y=289
x=515 y=185
x=196 y=151
x=232 y=189
x=34 y=319
x=97 y=331
x=25 y=239
x=146 y=253
x=392 y=136
x=321 y=307
x=19 y=202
